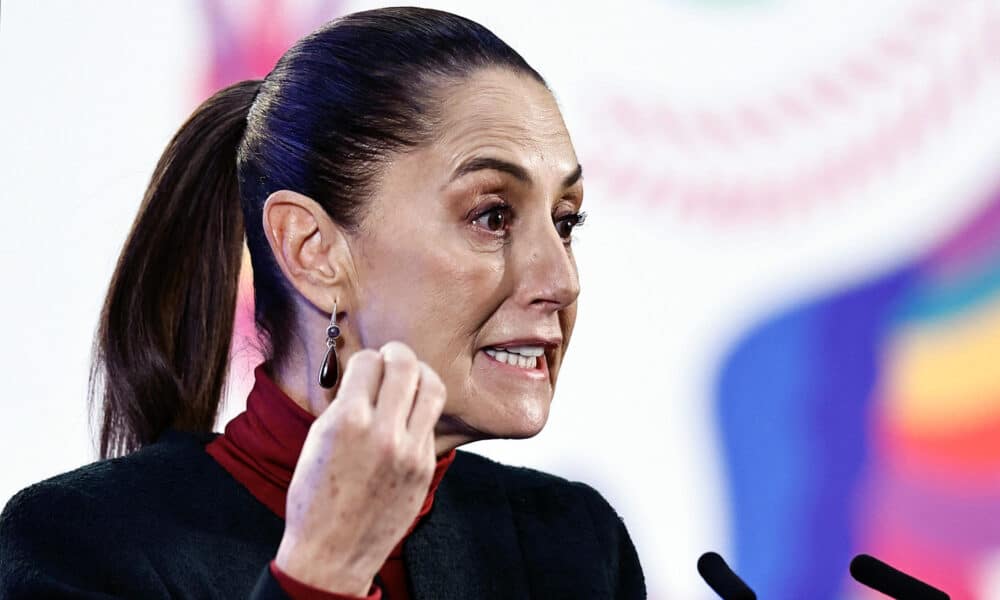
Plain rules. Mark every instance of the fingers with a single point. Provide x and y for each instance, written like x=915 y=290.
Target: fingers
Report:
x=394 y=391
x=362 y=378
x=427 y=407
x=428 y=450
x=401 y=373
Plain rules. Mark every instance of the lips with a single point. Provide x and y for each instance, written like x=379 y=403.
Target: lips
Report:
x=527 y=354
x=547 y=343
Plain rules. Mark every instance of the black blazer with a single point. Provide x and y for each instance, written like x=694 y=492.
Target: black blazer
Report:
x=169 y=522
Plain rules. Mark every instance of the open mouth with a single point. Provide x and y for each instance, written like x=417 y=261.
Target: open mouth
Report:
x=524 y=357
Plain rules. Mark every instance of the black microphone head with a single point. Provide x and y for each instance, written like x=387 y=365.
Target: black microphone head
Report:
x=717 y=574
x=870 y=571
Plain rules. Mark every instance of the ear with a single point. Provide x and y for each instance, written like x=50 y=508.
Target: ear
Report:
x=310 y=249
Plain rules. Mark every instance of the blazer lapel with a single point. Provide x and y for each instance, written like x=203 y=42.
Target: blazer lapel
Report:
x=466 y=547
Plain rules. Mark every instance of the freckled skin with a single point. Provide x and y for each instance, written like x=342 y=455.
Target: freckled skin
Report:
x=446 y=287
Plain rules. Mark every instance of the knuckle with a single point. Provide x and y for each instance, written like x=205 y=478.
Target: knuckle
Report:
x=412 y=464
x=355 y=420
x=439 y=392
x=430 y=381
x=439 y=402
x=428 y=375
x=387 y=445
x=398 y=354
x=364 y=359
x=409 y=370
x=426 y=472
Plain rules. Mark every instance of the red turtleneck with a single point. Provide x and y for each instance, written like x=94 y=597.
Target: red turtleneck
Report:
x=260 y=448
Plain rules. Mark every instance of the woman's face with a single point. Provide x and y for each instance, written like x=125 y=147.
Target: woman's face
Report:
x=466 y=251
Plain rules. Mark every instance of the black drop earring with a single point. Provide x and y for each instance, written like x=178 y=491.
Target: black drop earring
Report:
x=330 y=373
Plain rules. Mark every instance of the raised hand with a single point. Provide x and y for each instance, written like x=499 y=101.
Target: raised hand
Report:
x=364 y=471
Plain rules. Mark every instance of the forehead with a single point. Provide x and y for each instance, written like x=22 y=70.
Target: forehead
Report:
x=505 y=115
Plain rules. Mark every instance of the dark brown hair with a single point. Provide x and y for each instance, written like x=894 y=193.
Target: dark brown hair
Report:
x=322 y=123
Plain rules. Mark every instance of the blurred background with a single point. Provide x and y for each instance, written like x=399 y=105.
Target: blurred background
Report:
x=788 y=344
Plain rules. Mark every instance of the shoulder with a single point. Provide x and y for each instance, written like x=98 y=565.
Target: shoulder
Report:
x=69 y=530
x=166 y=513
x=562 y=525
x=111 y=484
x=102 y=498
x=531 y=489
x=90 y=528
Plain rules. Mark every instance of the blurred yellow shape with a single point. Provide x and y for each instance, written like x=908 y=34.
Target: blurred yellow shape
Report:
x=944 y=377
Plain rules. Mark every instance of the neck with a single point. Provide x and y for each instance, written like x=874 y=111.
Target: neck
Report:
x=293 y=379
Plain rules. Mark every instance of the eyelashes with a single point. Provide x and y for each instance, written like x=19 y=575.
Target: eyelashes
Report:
x=496 y=220
x=572 y=222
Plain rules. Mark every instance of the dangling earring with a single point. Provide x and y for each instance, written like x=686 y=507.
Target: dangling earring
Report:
x=330 y=372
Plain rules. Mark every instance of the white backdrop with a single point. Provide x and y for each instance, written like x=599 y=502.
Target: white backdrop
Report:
x=91 y=92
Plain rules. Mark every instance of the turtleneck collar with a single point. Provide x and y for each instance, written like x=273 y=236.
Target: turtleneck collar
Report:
x=261 y=445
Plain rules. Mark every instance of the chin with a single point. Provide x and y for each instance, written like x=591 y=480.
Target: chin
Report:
x=499 y=400
x=518 y=420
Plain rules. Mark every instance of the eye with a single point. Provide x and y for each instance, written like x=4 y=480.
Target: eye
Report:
x=565 y=225
x=494 y=219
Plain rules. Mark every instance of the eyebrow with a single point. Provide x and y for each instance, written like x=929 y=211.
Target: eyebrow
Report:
x=481 y=163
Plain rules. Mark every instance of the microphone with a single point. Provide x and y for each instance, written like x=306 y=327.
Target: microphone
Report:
x=870 y=571
x=721 y=578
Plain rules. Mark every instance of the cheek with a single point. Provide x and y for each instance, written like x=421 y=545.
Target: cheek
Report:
x=433 y=297
x=460 y=293
x=567 y=319
x=567 y=316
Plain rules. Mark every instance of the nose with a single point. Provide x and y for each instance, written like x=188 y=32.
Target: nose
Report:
x=548 y=277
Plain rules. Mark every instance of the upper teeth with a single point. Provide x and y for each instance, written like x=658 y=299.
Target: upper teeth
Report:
x=519 y=356
x=523 y=350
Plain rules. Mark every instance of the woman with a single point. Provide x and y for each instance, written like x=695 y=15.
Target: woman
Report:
x=409 y=192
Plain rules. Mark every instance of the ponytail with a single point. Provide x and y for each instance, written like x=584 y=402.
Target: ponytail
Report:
x=335 y=109
x=162 y=346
